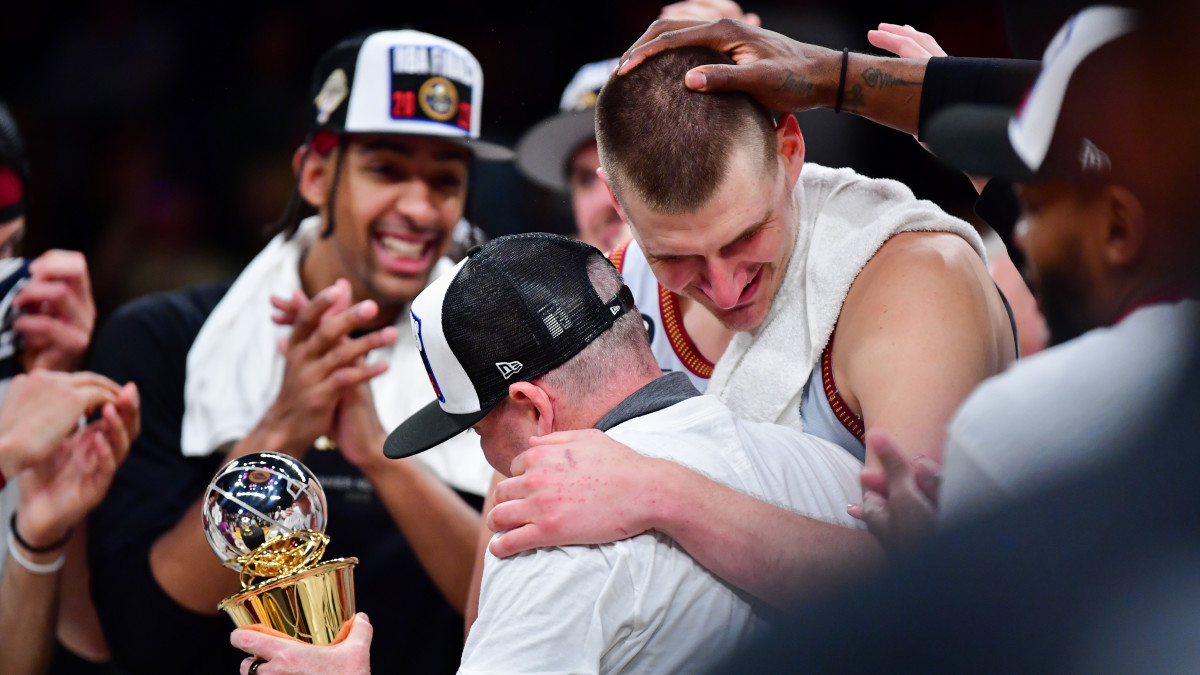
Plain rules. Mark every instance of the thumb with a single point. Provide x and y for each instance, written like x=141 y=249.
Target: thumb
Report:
x=716 y=77
x=752 y=19
x=889 y=454
x=361 y=631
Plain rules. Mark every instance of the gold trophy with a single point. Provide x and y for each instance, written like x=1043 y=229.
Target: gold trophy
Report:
x=264 y=516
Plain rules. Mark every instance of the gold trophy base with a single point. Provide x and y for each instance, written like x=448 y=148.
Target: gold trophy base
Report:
x=310 y=605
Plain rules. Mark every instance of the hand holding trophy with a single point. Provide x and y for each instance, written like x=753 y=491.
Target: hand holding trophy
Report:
x=264 y=516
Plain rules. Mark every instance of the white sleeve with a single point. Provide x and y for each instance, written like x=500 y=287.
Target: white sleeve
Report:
x=552 y=610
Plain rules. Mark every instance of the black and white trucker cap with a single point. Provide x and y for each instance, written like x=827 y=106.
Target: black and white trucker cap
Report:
x=402 y=82
x=1064 y=128
x=544 y=150
x=516 y=308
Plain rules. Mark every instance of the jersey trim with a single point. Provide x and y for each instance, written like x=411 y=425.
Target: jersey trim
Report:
x=685 y=349
x=852 y=422
x=617 y=255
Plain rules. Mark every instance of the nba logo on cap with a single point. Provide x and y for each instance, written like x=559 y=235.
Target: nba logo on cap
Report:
x=437 y=391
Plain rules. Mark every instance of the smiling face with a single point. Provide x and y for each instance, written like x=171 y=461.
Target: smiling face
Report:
x=730 y=255
x=398 y=200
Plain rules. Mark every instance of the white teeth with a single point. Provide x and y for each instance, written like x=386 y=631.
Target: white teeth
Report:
x=402 y=249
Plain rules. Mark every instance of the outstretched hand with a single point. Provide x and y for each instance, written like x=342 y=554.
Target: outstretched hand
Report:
x=571 y=487
x=900 y=499
x=283 y=655
x=781 y=73
x=905 y=41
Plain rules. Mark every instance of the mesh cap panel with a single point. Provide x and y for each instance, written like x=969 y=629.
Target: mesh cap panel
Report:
x=528 y=302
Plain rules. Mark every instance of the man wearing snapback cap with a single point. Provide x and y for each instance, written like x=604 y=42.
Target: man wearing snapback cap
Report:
x=535 y=334
x=395 y=119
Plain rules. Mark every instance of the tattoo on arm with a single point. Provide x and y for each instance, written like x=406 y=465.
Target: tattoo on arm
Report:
x=853 y=100
x=796 y=84
x=876 y=78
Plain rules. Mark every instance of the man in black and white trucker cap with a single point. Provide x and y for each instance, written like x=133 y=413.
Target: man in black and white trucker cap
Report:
x=535 y=334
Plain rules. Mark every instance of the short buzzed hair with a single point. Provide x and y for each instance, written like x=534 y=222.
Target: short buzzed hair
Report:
x=670 y=146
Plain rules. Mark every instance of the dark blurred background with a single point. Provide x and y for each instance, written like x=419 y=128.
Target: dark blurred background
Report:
x=161 y=134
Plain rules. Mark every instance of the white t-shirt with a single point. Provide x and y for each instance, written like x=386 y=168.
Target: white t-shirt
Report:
x=643 y=605
x=1064 y=409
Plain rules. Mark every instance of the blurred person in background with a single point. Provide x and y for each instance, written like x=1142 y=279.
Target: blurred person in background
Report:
x=53 y=469
x=395 y=118
x=1111 y=271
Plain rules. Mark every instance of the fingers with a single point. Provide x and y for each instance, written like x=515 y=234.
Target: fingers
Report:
x=350 y=351
x=889 y=454
x=344 y=378
x=117 y=433
x=361 y=631
x=663 y=35
x=257 y=642
x=855 y=511
x=334 y=327
x=873 y=479
x=928 y=475
x=43 y=332
x=899 y=45
x=68 y=266
x=513 y=542
x=510 y=515
x=288 y=308
x=309 y=317
x=875 y=514
x=752 y=19
x=722 y=77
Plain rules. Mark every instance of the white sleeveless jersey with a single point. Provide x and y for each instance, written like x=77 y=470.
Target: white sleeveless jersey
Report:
x=672 y=347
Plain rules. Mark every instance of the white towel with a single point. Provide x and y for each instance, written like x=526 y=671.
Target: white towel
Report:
x=844 y=219
x=234 y=369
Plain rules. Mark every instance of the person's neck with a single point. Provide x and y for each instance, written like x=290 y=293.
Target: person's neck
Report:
x=320 y=267
x=606 y=398
x=710 y=336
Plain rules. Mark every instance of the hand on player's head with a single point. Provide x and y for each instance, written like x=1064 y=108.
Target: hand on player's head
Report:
x=781 y=73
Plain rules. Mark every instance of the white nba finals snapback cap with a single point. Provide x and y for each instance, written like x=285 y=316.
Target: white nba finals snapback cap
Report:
x=544 y=150
x=402 y=82
x=516 y=308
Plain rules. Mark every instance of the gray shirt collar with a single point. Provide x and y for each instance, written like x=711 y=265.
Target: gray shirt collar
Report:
x=663 y=392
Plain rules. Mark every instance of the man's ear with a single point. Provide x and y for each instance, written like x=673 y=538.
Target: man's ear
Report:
x=789 y=145
x=1125 y=226
x=612 y=197
x=538 y=401
x=312 y=173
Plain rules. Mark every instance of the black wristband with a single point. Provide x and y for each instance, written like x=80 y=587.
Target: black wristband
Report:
x=837 y=107
x=12 y=526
